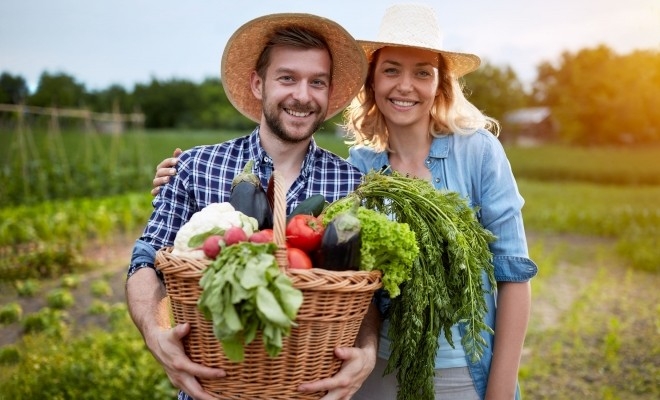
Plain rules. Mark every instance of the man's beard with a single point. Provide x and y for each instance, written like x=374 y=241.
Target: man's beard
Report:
x=276 y=126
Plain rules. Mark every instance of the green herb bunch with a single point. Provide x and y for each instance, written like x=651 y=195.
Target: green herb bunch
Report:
x=244 y=292
x=445 y=285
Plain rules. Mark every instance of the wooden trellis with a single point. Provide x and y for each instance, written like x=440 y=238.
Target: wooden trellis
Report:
x=114 y=122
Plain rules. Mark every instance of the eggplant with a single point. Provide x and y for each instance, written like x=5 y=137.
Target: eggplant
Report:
x=250 y=198
x=340 y=246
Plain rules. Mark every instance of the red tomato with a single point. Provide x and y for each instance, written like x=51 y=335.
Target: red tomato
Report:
x=304 y=232
x=262 y=236
x=298 y=259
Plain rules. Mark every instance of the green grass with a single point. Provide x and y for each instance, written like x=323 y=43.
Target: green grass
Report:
x=629 y=214
x=593 y=326
x=43 y=166
x=605 y=165
x=588 y=208
x=99 y=364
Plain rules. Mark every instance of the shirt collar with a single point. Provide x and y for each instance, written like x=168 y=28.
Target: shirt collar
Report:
x=439 y=149
x=308 y=162
x=258 y=153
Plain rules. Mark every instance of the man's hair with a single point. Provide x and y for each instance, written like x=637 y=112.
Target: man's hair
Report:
x=292 y=36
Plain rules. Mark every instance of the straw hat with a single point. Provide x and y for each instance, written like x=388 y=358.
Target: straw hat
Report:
x=416 y=25
x=240 y=56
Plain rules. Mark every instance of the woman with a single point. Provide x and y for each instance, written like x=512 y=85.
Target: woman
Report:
x=412 y=117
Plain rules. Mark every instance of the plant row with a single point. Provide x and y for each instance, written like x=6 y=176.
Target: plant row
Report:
x=50 y=165
x=629 y=215
x=50 y=362
x=46 y=240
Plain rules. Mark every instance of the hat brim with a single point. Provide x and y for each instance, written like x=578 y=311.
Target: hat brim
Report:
x=239 y=59
x=459 y=64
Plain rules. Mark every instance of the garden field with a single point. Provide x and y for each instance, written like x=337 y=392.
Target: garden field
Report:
x=73 y=204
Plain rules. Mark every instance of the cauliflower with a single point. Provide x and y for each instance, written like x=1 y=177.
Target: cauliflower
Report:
x=215 y=218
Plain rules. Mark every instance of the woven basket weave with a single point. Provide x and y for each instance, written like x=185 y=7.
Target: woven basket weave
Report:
x=334 y=304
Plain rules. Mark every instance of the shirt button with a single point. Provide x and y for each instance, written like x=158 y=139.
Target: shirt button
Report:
x=267 y=159
x=428 y=161
x=437 y=180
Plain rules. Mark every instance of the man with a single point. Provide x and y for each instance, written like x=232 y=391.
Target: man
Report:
x=289 y=73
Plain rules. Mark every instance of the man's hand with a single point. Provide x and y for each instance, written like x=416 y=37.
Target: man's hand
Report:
x=357 y=362
x=164 y=170
x=356 y=366
x=167 y=348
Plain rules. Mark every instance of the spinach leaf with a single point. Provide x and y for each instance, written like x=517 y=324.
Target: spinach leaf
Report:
x=244 y=292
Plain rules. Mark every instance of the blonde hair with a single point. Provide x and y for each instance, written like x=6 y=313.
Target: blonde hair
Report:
x=451 y=112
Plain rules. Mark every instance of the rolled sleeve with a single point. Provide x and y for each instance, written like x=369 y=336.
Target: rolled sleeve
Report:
x=143 y=256
x=514 y=269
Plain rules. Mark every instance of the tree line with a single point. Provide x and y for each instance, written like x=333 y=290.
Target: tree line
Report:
x=595 y=95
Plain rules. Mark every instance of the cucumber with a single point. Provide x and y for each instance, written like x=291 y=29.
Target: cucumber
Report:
x=313 y=205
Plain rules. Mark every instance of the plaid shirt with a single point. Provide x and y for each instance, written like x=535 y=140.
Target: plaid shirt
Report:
x=205 y=174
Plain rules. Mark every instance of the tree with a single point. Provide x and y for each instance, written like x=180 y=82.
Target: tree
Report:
x=216 y=111
x=600 y=97
x=107 y=99
x=495 y=90
x=169 y=104
x=13 y=89
x=58 y=90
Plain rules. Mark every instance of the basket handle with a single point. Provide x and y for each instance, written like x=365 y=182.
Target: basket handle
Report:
x=279 y=219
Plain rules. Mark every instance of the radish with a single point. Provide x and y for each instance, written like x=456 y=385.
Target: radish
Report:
x=262 y=236
x=212 y=246
x=235 y=235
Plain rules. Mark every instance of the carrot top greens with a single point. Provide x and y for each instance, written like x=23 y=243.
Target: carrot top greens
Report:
x=445 y=284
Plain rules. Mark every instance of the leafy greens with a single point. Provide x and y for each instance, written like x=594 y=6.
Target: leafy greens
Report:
x=387 y=245
x=245 y=292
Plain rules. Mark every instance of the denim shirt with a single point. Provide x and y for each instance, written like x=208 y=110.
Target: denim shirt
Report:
x=476 y=167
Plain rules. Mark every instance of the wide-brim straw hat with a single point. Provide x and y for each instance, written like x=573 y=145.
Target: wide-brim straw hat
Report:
x=416 y=26
x=239 y=59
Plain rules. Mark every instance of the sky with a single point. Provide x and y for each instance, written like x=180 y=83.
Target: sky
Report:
x=128 y=42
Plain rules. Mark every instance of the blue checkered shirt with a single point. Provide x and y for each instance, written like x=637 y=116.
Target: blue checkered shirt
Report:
x=204 y=176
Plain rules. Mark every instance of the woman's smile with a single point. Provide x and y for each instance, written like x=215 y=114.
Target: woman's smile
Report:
x=403 y=103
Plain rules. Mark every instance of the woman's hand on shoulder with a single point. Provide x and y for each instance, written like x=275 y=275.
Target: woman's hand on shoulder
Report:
x=164 y=170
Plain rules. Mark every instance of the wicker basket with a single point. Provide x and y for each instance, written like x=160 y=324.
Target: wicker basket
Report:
x=334 y=304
